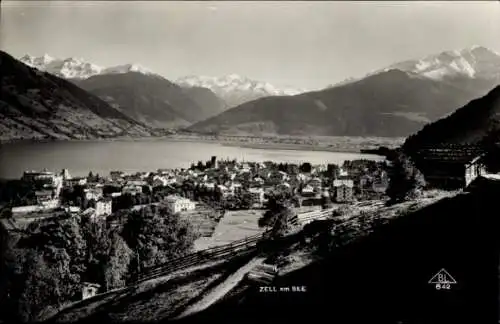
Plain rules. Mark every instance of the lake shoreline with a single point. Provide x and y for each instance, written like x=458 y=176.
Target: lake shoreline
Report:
x=138 y=155
x=293 y=147
x=360 y=149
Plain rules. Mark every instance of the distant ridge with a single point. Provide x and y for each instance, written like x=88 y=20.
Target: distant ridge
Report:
x=392 y=102
x=36 y=105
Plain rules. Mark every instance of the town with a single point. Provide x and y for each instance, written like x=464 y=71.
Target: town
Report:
x=209 y=187
x=201 y=195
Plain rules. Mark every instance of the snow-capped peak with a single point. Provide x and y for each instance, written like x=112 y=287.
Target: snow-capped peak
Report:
x=127 y=68
x=472 y=62
x=77 y=68
x=236 y=89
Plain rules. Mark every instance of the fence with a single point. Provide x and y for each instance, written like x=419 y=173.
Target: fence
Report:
x=197 y=258
x=231 y=249
x=306 y=218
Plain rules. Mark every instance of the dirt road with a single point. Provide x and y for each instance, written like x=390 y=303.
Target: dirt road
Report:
x=221 y=290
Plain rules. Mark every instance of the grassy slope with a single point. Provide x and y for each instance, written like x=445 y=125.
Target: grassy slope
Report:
x=384 y=276
x=156 y=299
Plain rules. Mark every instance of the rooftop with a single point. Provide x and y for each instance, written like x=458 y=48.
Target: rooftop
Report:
x=452 y=153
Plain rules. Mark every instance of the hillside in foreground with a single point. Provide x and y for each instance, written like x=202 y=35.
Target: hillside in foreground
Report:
x=384 y=277
x=38 y=105
x=468 y=125
x=380 y=277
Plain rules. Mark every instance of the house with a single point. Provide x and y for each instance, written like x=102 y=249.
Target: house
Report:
x=132 y=190
x=24 y=209
x=65 y=174
x=381 y=183
x=159 y=182
x=449 y=167
x=95 y=193
x=44 y=195
x=213 y=162
x=258 y=181
x=177 y=204
x=236 y=187
x=343 y=172
x=76 y=181
x=103 y=207
x=32 y=176
x=117 y=175
x=73 y=209
x=89 y=213
x=283 y=186
x=256 y=196
x=315 y=183
x=89 y=289
x=225 y=191
x=343 y=190
x=209 y=185
x=307 y=191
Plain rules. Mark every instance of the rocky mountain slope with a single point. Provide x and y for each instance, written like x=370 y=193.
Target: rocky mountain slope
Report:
x=150 y=99
x=38 y=105
x=135 y=91
x=235 y=89
x=207 y=100
x=393 y=102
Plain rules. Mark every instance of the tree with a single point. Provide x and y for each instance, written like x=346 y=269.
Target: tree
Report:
x=41 y=288
x=305 y=167
x=245 y=201
x=405 y=180
x=277 y=216
x=158 y=236
x=98 y=242
x=52 y=260
x=116 y=268
x=79 y=202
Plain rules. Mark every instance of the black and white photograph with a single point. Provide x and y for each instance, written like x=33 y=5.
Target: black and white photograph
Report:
x=250 y=162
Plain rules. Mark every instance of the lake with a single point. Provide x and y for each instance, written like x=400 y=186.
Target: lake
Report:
x=143 y=155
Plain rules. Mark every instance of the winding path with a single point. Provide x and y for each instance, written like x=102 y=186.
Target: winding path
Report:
x=222 y=289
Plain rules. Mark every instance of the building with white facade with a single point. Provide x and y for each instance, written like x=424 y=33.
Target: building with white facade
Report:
x=257 y=196
x=343 y=189
x=93 y=193
x=103 y=207
x=177 y=204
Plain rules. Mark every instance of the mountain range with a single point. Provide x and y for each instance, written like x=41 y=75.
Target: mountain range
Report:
x=135 y=91
x=39 y=105
x=232 y=89
x=394 y=101
x=77 y=68
x=153 y=99
x=235 y=89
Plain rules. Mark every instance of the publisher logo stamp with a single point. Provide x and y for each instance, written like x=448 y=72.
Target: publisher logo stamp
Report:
x=442 y=280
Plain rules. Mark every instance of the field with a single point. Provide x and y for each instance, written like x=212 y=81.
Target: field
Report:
x=235 y=225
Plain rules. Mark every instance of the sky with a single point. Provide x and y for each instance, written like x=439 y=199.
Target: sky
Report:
x=306 y=45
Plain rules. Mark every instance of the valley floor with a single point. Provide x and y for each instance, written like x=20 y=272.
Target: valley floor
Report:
x=346 y=144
